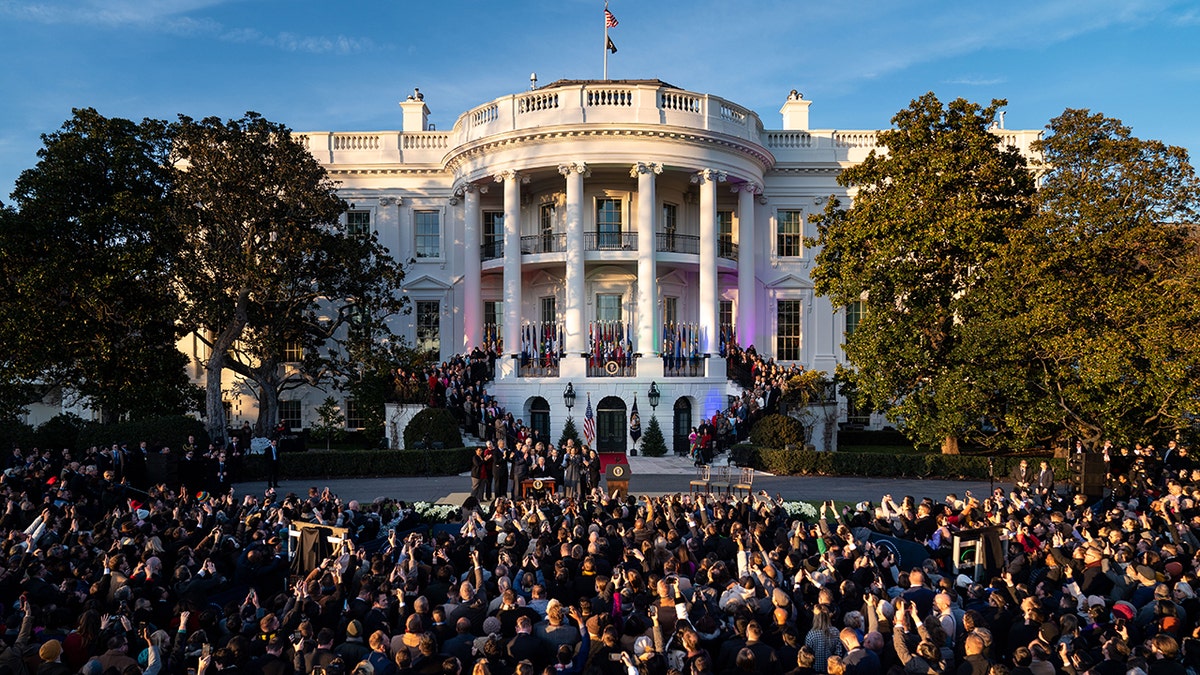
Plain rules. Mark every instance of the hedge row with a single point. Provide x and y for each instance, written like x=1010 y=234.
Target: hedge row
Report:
x=796 y=462
x=365 y=463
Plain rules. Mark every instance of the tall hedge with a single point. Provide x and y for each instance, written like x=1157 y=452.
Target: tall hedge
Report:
x=797 y=462
x=435 y=424
x=364 y=463
x=777 y=431
x=171 y=431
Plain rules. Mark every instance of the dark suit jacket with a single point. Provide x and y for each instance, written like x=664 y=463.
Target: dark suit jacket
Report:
x=526 y=646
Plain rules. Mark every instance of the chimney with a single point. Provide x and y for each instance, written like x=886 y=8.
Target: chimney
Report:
x=416 y=113
x=795 y=112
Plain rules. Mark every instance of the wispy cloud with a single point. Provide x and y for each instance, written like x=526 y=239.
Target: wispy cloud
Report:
x=174 y=17
x=976 y=81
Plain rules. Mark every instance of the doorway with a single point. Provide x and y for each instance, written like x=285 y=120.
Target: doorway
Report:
x=611 y=432
x=683 y=426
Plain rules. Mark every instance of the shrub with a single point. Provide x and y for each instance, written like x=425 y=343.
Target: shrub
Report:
x=653 y=443
x=364 y=463
x=171 y=431
x=15 y=434
x=61 y=431
x=436 y=425
x=777 y=431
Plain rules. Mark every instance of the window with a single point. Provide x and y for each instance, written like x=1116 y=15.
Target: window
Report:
x=549 y=310
x=293 y=352
x=493 y=234
x=429 y=319
x=608 y=223
x=354 y=416
x=493 y=318
x=608 y=307
x=670 y=225
x=725 y=235
x=787 y=330
x=358 y=223
x=546 y=242
x=670 y=311
x=854 y=314
x=790 y=234
x=289 y=414
x=726 y=318
x=429 y=234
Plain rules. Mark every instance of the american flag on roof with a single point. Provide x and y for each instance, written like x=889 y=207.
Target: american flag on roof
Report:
x=610 y=21
x=589 y=423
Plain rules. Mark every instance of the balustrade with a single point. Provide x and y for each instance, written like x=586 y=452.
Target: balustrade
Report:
x=537 y=101
x=609 y=97
x=355 y=141
x=491 y=250
x=670 y=242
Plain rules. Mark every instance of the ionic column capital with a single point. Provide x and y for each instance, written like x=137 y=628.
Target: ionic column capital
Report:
x=576 y=167
x=510 y=174
x=748 y=186
x=709 y=176
x=645 y=167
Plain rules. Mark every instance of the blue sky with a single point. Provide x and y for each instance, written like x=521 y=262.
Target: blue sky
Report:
x=343 y=66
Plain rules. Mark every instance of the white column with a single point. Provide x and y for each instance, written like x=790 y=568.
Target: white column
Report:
x=746 y=307
x=512 y=260
x=472 y=271
x=709 y=307
x=573 y=314
x=647 y=279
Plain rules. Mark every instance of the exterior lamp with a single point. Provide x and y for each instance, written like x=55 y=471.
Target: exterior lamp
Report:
x=569 y=396
x=654 y=395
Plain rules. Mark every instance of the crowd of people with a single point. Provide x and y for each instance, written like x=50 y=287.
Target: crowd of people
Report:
x=103 y=579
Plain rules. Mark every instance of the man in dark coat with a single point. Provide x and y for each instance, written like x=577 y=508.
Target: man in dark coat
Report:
x=501 y=458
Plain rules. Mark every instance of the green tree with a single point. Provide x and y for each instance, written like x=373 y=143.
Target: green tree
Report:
x=569 y=432
x=653 y=442
x=1100 y=292
x=265 y=264
x=927 y=214
x=331 y=423
x=86 y=300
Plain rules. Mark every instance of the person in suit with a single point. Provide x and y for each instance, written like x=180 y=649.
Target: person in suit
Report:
x=525 y=646
x=272 y=454
x=477 y=474
x=501 y=458
x=520 y=470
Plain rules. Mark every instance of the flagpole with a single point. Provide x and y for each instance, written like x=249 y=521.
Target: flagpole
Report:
x=605 y=40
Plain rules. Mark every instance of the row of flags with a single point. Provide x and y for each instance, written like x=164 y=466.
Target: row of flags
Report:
x=610 y=341
x=542 y=343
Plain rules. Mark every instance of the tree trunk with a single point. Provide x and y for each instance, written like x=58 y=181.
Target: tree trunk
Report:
x=950 y=445
x=214 y=406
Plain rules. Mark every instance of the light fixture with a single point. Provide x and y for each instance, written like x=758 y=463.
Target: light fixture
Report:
x=569 y=396
x=654 y=395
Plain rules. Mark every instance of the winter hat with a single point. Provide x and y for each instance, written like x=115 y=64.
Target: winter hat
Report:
x=1123 y=610
x=491 y=625
x=50 y=651
x=354 y=628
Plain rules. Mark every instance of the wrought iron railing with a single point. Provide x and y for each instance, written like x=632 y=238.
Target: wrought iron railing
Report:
x=544 y=243
x=727 y=250
x=490 y=250
x=682 y=367
x=610 y=241
x=669 y=242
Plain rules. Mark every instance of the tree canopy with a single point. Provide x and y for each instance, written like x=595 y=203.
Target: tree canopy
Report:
x=927 y=215
x=87 y=302
x=1009 y=316
x=126 y=235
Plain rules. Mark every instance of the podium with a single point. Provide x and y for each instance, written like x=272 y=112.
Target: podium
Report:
x=617 y=478
x=538 y=486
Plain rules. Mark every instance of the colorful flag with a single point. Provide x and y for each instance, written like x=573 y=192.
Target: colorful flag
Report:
x=610 y=21
x=589 y=423
x=611 y=47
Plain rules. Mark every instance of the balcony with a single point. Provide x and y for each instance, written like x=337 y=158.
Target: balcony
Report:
x=544 y=243
x=727 y=250
x=670 y=242
x=491 y=250
x=610 y=241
